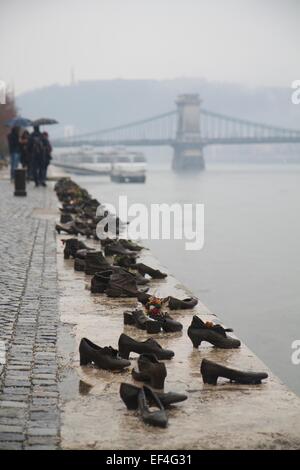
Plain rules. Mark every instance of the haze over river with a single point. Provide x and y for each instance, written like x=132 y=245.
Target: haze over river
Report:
x=248 y=271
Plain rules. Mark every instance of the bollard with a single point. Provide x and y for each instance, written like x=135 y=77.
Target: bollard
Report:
x=20 y=182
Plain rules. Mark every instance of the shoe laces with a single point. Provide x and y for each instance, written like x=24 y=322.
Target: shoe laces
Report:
x=198 y=323
x=153 y=342
x=218 y=328
x=110 y=351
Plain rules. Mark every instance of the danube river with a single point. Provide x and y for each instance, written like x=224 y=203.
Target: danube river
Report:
x=248 y=271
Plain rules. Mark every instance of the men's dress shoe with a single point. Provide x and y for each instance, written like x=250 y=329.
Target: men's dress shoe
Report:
x=154 y=417
x=150 y=370
x=123 y=284
x=167 y=323
x=79 y=264
x=140 y=280
x=129 y=245
x=100 y=281
x=72 y=245
x=143 y=297
x=104 y=358
x=154 y=273
x=128 y=345
x=116 y=248
x=69 y=228
x=129 y=394
x=215 y=334
x=69 y=209
x=210 y=372
x=83 y=252
x=138 y=319
x=107 y=241
x=65 y=217
x=95 y=262
x=125 y=261
x=177 y=304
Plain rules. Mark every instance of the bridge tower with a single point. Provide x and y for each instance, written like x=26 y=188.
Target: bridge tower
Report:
x=188 y=150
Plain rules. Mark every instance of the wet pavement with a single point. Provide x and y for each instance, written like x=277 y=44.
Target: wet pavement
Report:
x=226 y=416
x=47 y=400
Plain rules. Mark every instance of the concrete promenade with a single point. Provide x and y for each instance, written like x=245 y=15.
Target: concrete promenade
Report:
x=29 y=414
x=48 y=401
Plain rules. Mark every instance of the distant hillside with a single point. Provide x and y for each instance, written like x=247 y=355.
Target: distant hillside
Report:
x=93 y=105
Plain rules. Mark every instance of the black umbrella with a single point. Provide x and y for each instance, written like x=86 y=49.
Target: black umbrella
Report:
x=43 y=122
x=19 y=122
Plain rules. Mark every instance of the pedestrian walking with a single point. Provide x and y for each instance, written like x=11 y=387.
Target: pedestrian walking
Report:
x=25 y=154
x=48 y=152
x=37 y=156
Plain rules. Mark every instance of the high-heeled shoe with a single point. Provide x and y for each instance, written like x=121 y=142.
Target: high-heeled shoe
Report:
x=150 y=346
x=68 y=228
x=104 y=358
x=199 y=331
x=210 y=372
x=156 y=417
x=150 y=370
x=129 y=394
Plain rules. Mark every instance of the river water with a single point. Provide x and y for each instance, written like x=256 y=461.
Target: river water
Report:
x=248 y=271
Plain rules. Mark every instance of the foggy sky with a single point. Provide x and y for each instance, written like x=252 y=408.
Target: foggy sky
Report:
x=248 y=41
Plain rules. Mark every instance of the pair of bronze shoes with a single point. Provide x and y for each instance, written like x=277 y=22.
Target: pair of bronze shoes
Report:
x=151 y=405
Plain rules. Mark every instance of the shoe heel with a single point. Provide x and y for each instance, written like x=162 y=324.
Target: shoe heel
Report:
x=196 y=341
x=84 y=360
x=157 y=379
x=210 y=379
x=157 y=382
x=128 y=318
x=78 y=266
x=124 y=352
x=129 y=396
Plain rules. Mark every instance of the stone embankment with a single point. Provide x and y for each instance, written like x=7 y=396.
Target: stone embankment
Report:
x=48 y=401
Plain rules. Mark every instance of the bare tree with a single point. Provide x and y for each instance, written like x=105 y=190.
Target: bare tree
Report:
x=7 y=111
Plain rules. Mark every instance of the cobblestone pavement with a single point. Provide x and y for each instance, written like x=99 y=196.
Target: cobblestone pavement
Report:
x=29 y=414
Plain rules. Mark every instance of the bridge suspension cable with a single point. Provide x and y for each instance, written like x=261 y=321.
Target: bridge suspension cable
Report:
x=162 y=129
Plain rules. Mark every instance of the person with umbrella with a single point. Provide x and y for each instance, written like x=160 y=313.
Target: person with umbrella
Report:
x=25 y=155
x=40 y=149
x=37 y=156
x=14 y=142
x=48 y=151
